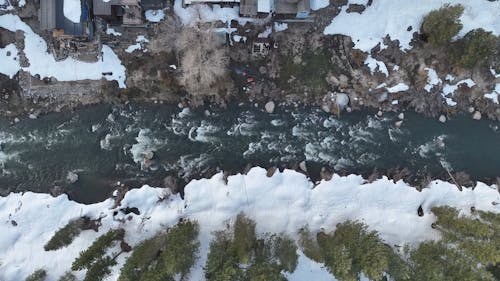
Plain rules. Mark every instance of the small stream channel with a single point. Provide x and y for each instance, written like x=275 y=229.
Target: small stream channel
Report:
x=104 y=144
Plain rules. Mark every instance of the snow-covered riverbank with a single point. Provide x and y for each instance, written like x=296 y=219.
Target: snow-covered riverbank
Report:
x=284 y=203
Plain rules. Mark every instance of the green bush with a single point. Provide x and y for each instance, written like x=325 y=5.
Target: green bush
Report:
x=241 y=256
x=99 y=269
x=244 y=237
x=68 y=276
x=38 y=275
x=64 y=236
x=97 y=249
x=441 y=25
x=476 y=46
x=310 y=247
x=438 y=261
x=475 y=238
x=143 y=258
x=164 y=256
x=352 y=250
x=181 y=250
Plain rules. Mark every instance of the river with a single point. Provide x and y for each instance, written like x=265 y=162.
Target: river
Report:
x=105 y=144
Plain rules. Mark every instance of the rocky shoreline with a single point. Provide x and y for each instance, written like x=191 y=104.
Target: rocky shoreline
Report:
x=304 y=67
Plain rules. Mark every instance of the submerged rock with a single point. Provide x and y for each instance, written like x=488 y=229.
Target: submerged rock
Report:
x=476 y=115
x=401 y=116
x=398 y=124
x=270 y=107
x=302 y=166
x=442 y=118
x=72 y=177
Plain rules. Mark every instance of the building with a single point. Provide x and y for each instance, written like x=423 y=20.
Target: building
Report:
x=126 y=12
x=153 y=4
x=51 y=17
x=299 y=8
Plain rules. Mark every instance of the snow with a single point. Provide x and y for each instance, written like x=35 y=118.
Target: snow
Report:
x=72 y=10
x=494 y=73
x=449 y=90
x=154 y=15
x=43 y=63
x=239 y=38
x=10 y=63
x=283 y=203
x=432 y=79
x=493 y=96
x=400 y=87
x=111 y=31
x=376 y=65
x=319 y=4
x=280 y=26
x=140 y=41
x=266 y=33
x=449 y=78
x=197 y=13
x=388 y=17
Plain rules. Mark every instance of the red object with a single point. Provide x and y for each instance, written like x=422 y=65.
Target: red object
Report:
x=250 y=79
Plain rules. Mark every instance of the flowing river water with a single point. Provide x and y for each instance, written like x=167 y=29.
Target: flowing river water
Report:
x=105 y=144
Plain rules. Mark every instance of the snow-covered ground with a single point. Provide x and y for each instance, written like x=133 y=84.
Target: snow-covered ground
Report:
x=284 y=202
x=393 y=18
x=43 y=63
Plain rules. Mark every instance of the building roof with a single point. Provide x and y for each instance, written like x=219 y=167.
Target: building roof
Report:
x=152 y=4
x=248 y=7
x=69 y=27
x=264 y=6
x=292 y=6
x=47 y=14
x=102 y=8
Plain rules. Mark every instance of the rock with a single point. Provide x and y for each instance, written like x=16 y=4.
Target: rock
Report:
x=348 y=109
x=442 y=118
x=125 y=247
x=271 y=171
x=332 y=80
x=171 y=183
x=471 y=109
x=269 y=107
x=207 y=113
x=32 y=116
x=342 y=100
x=302 y=166
x=326 y=174
x=325 y=107
x=398 y=124
x=16 y=120
x=13 y=222
x=380 y=113
x=72 y=177
x=149 y=155
x=401 y=116
x=420 y=211
x=343 y=81
x=476 y=115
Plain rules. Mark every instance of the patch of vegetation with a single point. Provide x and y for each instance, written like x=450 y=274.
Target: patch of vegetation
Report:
x=310 y=72
x=164 y=256
x=240 y=255
x=476 y=46
x=68 y=276
x=95 y=260
x=352 y=250
x=38 y=275
x=65 y=236
x=439 y=26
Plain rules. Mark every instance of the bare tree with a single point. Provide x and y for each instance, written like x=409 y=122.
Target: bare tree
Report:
x=203 y=60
